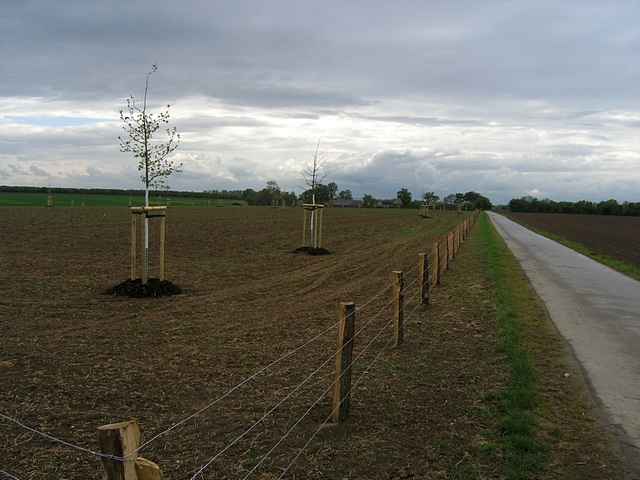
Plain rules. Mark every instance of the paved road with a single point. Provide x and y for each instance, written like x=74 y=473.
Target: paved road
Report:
x=597 y=310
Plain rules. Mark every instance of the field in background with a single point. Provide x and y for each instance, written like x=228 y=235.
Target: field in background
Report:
x=611 y=240
x=14 y=199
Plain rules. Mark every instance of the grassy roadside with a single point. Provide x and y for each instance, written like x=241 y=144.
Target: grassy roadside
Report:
x=525 y=453
x=548 y=423
x=621 y=266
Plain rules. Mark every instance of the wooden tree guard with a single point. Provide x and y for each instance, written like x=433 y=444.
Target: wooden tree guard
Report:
x=151 y=213
x=423 y=278
x=122 y=441
x=342 y=384
x=313 y=217
x=398 y=306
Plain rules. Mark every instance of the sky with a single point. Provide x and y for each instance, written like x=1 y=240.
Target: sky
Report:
x=506 y=98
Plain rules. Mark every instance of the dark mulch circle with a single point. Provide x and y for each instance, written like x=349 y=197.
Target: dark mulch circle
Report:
x=136 y=289
x=312 y=251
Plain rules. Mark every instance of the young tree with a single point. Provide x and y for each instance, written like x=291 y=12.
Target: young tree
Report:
x=154 y=164
x=430 y=198
x=313 y=178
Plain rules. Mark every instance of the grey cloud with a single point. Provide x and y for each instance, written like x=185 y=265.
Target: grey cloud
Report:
x=425 y=121
x=293 y=53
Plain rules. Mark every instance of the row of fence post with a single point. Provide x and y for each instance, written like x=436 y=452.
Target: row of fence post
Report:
x=121 y=440
x=444 y=250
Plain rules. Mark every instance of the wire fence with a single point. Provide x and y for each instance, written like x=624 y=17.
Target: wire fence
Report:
x=397 y=297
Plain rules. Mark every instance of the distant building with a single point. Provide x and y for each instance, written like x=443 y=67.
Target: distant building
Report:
x=395 y=203
x=339 y=203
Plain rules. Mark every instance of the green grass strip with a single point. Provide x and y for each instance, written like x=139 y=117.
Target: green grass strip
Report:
x=523 y=453
x=621 y=266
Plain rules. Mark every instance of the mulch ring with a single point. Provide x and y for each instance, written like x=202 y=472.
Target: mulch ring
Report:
x=136 y=289
x=312 y=251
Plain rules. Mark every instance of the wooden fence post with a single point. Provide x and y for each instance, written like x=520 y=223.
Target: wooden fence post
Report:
x=445 y=254
x=122 y=440
x=134 y=241
x=398 y=306
x=342 y=385
x=423 y=278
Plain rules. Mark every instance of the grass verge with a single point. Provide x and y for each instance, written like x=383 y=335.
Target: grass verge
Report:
x=550 y=426
x=621 y=266
x=525 y=455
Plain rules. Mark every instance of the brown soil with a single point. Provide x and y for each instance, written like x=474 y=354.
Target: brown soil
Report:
x=77 y=358
x=605 y=234
x=72 y=358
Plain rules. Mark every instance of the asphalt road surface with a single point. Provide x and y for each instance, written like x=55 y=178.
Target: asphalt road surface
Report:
x=597 y=310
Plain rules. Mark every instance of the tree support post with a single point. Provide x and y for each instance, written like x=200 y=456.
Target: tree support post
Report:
x=132 y=250
x=342 y=384
x=163 y=238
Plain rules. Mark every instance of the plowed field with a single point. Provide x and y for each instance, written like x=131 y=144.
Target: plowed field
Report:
x=605 y=234
x=73 y=358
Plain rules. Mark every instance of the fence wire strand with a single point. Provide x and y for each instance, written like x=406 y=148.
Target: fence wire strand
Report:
x=8 y=475
x=60 y=441
x=315 y=433
x=289 y=395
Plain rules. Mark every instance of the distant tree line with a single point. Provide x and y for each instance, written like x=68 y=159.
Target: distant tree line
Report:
x=104 y=191
x=272 y=194
x=584 y=207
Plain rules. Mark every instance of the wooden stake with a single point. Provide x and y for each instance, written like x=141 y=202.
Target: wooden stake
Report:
x=342 y=385
x=450 y=248
x=163 y=235
x=134 y=241
x=304 y=227
x=145 y=271
x=423 y=278
x=398 y=306
x=445 y=244
x=320 y=221
x=121 y=440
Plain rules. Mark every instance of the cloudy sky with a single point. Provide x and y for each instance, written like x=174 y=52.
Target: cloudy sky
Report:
x=506 y=98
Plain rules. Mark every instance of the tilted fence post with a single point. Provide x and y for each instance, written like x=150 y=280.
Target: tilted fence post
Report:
x=342 y=385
